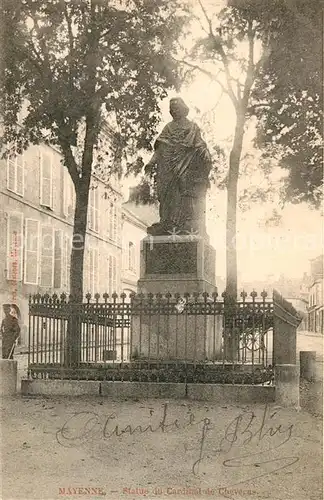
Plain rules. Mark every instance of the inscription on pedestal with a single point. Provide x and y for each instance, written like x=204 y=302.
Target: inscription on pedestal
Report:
x=171 y=258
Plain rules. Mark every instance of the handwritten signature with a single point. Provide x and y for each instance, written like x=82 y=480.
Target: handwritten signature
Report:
x=247 y=430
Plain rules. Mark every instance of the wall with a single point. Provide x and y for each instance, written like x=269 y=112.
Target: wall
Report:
x=133 y=231
x=41 y=247
x=316 y=306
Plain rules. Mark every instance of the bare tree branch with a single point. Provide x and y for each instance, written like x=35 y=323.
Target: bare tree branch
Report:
x=207 y=18
x=196 y=67
x=197 y=18
x=250 y=73
x=205 y=72
x=70 y=162
x=219 y=48
x=229 y=78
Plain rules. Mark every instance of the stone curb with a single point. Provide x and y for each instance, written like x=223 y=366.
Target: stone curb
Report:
x=137 y=390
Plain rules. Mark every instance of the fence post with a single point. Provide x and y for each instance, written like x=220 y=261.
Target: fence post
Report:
x=8 y=377
x=285 y=323
x=308 y=365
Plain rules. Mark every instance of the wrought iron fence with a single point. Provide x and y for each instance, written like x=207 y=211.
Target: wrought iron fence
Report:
x=197 y=337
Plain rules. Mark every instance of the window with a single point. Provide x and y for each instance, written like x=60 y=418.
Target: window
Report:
x=31 y=270
x=58 y=259
x=66 y=262
x=68 y=194
x=131 y=256
x=90 y=271
x=125 y=256
x=47 y=257
x=15 y=174
x=94 y=209
x=112 y=275
x=115 y=223
x=111 y=220
x=14 y=246
x=93 y=270
x=46 y=179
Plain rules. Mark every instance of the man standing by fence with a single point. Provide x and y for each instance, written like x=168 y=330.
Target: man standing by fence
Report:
x=10 y=331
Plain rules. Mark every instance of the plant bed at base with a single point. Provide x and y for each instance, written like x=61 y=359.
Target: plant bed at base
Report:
x=157 y=372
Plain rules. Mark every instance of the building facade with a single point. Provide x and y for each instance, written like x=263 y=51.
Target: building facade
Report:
x=135 y=220
x=316 y=296
x=301 y=305
x=37 y=202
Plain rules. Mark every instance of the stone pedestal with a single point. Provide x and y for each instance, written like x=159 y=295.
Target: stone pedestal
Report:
x=175 y=336
x=165 y=327
x=177 y=264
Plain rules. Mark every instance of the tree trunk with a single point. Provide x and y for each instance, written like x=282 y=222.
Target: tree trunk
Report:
x=73 y=345
x=78 y=242
x=233 y=174
x=231 y=339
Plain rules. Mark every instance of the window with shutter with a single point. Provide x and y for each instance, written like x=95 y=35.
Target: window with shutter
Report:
x=46 y=180
x=119 y=229
x=16 y=173
x=66 y=260
x=86 y=272
x=125 y=256
x=114 y=277
x=111 y=220
x=110 y=274
x=94 y=209
x=47 y=257
x=118 y=273
x=31 y=269
x=58 y=258
x=14 y=246
x=93 y=270
x=115 y=223
x=131 y=256
x=68 y=194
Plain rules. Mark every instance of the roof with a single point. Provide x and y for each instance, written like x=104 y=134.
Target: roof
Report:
x=147 y=214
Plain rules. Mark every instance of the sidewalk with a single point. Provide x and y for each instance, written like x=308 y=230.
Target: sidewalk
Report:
x=84 y=447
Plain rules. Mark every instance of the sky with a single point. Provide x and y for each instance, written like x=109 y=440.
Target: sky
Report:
x=262 y=251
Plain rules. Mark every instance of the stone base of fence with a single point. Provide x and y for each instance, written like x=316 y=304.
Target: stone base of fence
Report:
x=231 y=394
x=8 y=377
x=287 y=385
x=308 y=365
x=60 y=387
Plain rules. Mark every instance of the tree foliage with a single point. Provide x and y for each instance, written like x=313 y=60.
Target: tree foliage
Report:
x=80 y=64
x=246 y=49
x=288 y=97
x=68 y=58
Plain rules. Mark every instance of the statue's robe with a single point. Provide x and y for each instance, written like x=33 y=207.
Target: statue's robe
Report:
x=182 y=175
